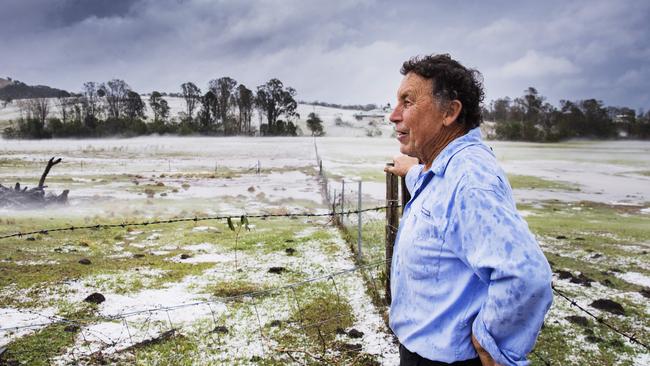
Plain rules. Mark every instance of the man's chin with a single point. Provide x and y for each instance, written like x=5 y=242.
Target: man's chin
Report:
x=405 y=150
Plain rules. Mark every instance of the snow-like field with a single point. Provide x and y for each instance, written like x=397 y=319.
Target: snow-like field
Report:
x=141 y=269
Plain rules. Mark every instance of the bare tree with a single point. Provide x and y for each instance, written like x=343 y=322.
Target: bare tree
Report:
x=223 y=90
x=39 y=108
x=92 y=94
x=192 y=95
x=159 y=106
x=116 y=92
x=65 y=105
x=244 y=100
x=23 y=107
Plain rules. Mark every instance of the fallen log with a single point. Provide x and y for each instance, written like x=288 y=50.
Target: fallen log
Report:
x=23 y=197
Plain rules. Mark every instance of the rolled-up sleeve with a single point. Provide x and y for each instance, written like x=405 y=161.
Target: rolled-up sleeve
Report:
x=495 y=242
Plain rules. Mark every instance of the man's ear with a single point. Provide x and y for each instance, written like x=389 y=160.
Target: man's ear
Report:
x=453 y=110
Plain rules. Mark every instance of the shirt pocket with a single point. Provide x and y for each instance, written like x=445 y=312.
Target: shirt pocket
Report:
x=424 y=254
x=429 y=227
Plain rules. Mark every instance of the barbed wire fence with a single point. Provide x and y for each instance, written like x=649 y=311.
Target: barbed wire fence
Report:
x=130 y=330
x=361 y=228
x=367 y=266
x=343 y=199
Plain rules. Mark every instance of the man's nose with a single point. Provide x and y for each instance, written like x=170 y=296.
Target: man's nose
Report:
x=396 y=115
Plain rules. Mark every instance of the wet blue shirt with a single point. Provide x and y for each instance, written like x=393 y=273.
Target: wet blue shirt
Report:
x=465 y=262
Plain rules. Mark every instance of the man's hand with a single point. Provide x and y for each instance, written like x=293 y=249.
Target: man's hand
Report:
x=402 y=164
x=485 y=357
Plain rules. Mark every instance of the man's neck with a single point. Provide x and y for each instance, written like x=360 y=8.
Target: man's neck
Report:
x=445 y=137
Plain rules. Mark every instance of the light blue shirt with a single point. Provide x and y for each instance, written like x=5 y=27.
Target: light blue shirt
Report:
x=466 y=263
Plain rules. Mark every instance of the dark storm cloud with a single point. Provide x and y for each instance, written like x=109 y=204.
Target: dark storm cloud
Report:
x=43 y=15
x=339 y=51
x=69 y=12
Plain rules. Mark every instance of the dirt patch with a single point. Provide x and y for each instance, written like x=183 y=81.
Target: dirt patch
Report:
x=610 y=306
x=580 y=279
x=578 y=320
x=95 y=298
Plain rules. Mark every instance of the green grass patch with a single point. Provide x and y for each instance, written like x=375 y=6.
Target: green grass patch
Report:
x=321 y=315
x=232 y=289
x=39 y=347
x=170 y=349
x=532 y=182
x=607 y=224
x=312 y=326
x=373 y=247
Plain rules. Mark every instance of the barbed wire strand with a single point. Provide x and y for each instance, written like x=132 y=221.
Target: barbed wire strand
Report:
x=188 y=219
x=598 y=319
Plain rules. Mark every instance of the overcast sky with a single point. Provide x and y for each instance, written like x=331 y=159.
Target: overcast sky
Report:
x=336 y=51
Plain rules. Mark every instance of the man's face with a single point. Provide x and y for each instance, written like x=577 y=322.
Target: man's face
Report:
x=417 y=117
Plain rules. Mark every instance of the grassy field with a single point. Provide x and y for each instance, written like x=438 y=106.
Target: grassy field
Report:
x=231 y=282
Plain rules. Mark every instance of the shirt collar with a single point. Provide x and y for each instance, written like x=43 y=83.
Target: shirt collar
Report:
x=473 y=137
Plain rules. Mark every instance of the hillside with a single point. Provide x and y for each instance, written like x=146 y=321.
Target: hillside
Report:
x=4 y=82
x=14 y=89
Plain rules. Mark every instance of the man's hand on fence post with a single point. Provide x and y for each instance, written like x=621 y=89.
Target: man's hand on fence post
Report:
x=402 y=164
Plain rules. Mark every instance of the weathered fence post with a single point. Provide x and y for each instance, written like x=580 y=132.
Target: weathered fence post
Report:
x=334 y=216
x=406 y=195
x=342 y=199
x=392 y=222
x=359 y=224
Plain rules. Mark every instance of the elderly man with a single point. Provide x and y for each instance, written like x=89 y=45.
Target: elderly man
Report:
x=469 y=284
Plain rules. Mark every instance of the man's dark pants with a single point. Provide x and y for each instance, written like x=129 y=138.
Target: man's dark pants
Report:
x=408 y=358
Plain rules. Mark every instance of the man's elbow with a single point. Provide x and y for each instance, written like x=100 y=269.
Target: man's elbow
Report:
x=539 y=285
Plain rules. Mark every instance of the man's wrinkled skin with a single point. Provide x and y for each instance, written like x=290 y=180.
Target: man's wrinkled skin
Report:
x=424 y=127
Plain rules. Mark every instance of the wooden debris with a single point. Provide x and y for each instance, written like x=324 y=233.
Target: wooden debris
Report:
x=24 y=197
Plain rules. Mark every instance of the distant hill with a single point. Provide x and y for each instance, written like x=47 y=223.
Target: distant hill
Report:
x=4 y=82
x=14 y=89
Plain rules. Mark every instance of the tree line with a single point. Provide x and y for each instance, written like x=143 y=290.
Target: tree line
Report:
x=114 y=109
x=531 y=118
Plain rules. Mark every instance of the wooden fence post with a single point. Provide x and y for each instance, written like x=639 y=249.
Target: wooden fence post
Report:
x=406 y=195
x=392 y=222
x=359 y=223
